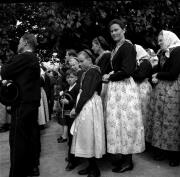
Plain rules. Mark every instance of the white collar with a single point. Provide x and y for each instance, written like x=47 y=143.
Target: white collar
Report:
x=71 y=87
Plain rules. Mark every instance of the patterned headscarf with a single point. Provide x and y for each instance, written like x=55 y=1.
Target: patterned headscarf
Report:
x=171 y=41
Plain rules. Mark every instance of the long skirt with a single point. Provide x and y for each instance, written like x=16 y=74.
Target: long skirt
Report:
x=43 y=117
x=164 y=118
x=104 y=96
x=2 y=115
x=88 y=130
x=145 y=90
x=124 y=124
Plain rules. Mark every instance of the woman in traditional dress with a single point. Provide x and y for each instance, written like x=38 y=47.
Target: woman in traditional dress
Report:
x=100 y=47
x=124 y=125
x=141 y=76
x=164 y=120
x=88 y=127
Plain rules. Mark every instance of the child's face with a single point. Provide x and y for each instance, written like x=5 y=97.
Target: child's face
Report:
x=71 y=79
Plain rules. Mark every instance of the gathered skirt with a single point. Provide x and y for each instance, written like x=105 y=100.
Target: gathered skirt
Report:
x=43 y=116
x=124 y=124
x=163 y=124
x=88 y=130
x=3 y=115
x=145 y=90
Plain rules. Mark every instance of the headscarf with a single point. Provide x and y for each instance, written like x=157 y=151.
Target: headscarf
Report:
x=141 y=53
x=171 y=41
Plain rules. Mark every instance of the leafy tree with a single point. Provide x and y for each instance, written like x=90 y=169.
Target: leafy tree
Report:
x=70 y=24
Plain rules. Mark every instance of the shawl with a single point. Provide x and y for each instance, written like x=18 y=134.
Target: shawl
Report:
x=171 y=41
x=141 y=53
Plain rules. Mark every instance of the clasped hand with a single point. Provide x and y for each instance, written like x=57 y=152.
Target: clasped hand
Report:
x=106 y=76
x=154 y=78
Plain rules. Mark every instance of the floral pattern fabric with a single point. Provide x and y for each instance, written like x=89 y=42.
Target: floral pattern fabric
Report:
x=164 y=117
x=124 y=125
x=145 y=90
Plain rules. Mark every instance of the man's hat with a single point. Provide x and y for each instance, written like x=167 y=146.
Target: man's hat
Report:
x=9 y=93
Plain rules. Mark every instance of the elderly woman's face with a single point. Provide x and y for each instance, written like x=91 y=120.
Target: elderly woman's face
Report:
x=117 y=33
x=161 y=42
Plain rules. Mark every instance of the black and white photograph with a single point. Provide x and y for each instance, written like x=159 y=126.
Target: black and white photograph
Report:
x=90 y=88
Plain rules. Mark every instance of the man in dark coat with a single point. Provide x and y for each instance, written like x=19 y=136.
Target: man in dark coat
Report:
x=24 y=138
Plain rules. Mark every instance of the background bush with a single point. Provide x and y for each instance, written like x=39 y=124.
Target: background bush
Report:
x=68 y=24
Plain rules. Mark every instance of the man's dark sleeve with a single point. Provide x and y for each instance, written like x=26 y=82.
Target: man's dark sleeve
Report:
x=9 y=71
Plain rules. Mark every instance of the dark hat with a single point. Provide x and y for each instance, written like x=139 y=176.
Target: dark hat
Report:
x=9 y=93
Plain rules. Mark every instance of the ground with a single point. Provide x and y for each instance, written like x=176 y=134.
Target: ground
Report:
x=52 y=162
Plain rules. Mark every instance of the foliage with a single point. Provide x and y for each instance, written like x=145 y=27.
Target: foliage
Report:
x=69 y=24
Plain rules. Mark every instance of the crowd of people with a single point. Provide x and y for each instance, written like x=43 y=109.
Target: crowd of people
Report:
x=115 y=102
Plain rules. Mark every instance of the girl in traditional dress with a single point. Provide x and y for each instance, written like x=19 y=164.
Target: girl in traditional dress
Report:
x=164 y=120
x=141 y=76
x=88 y=127
x=124 y=125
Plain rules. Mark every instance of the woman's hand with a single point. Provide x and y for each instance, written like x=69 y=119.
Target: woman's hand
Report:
x=154 y=75
x=105 y=77
x=73 y=113
x=154 y=78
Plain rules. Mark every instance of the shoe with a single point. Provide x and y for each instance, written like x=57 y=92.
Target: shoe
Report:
x=70 y=166
x=174 y=163
x=94 y=173
x=117 y=163
x=123 y=168
x=84 y=171
x=61 y=139
x=66 y=159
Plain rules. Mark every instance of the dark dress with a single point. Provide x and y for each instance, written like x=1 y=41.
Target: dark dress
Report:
x=24 y=133
x=164 y=118
x=103 y=61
